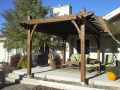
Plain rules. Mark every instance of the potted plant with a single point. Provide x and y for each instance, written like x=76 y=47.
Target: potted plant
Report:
x=113 y=73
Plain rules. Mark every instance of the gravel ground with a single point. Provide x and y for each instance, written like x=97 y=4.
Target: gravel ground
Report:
x=13 y=86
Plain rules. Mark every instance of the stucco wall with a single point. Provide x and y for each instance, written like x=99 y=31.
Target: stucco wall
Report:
x=118 y=47
x=107 y=46
x=3 y=53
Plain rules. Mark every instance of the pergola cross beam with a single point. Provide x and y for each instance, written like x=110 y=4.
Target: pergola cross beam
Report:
x=77 y=27
x=50 y=20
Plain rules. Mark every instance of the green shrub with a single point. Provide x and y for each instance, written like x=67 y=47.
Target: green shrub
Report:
x=115 y=70
x=22 y=62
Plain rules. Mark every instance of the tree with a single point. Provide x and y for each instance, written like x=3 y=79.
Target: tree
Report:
x=17 y=35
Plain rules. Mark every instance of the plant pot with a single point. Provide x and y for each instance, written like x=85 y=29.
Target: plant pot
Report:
x=111 y=76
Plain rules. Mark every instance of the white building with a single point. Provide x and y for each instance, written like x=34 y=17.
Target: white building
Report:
x=62 y=10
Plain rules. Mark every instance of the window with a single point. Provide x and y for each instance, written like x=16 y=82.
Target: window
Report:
x=87 y=46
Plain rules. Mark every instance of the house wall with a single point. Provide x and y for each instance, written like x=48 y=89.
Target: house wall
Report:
x=4 y=55
x=118 y=47
x=107 y=46
x=113 y=23
x=73 y=44
x=56 y=50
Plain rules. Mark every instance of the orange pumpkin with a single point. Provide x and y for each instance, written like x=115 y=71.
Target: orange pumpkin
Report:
x=111 y=76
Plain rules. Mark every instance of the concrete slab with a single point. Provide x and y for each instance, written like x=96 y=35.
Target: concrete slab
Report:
x=47 y=72
x=34 y=70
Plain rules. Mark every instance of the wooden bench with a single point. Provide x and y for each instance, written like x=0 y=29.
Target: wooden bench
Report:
x=73 y=64
x=75 y=60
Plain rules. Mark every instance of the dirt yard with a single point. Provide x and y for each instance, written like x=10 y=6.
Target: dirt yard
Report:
x=13 y=86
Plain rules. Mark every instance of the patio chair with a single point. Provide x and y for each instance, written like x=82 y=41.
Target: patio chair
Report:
x=75 y=60
x=107 y=62
x=91 y=67
x=93 y=64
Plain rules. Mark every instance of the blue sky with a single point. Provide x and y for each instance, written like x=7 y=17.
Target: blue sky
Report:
x=100 y=7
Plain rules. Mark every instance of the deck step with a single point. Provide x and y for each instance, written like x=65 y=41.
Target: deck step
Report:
x=58 y=78
x=30 y=83
x=40 y=75
x=65 y=86
x=12 y=80
x=13 y=75
x=56 y=85
x=30 y=80
x=48 y=84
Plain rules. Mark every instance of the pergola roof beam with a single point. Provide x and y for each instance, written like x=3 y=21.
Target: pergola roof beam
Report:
x=57 y=18
x=50 y=20
x=88 y=24
x=48 y=31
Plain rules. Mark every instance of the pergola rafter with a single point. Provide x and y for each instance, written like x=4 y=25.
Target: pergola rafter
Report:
x=91 y=26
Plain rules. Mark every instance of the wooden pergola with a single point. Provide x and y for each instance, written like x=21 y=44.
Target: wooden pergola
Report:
x=75 y=24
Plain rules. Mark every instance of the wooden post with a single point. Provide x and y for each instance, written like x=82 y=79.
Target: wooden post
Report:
x=83 y=62
x=63 y=49
x=98 y=48
x=81 y=32
x=29 y=42
x=30 y=32
x=98 y=51
x=97 y=37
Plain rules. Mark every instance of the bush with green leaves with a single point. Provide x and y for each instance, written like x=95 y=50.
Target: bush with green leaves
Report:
x=115 y=70
x=22 y=62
